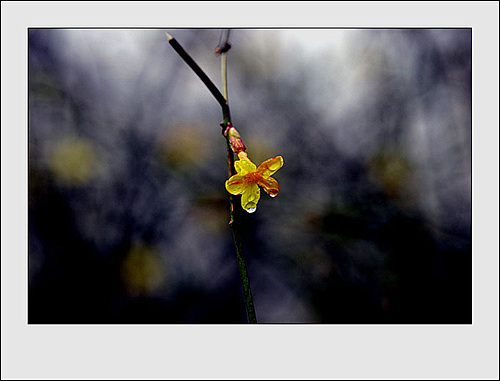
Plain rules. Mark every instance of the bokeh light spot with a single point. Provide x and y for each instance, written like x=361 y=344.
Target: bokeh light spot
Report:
x=73 y=161
x=143 y=271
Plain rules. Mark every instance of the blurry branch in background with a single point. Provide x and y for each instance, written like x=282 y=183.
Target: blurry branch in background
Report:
x=226 y=125
x=222 y=49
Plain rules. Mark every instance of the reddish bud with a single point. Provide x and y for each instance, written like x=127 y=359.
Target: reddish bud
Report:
x=222 y=49
x=234 y=138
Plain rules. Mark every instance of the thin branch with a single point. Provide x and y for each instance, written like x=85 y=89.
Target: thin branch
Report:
x=222 y=99
x=242 y=268
x=199 y=72
x=224 y=76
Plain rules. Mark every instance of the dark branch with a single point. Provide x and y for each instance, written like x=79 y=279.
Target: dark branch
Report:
x=200 y=73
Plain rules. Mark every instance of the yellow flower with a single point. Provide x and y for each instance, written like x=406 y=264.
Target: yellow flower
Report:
x=249 y=177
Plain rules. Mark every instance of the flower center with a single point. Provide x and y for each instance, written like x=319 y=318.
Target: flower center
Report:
x=253 y=177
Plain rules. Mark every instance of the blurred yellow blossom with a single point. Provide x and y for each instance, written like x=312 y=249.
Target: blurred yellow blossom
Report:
x=73 y=161
x=182 y=147
x=143 y=271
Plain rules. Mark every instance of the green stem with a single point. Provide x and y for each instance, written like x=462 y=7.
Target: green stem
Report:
x=242 y=268
x=222 y=99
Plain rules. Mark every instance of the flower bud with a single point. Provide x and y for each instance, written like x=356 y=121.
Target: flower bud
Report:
x=234 y=139
x=243 y=156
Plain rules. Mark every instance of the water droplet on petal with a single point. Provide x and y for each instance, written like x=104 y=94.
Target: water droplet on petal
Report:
x=273 y=194
x=251 y=210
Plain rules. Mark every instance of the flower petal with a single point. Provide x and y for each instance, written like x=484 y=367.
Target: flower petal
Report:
x=250 y=197
x=244 y=166
x=268 y=167
x=236 y=184
x=270 y=185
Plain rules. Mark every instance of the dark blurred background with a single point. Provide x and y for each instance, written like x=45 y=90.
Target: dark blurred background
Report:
x=128 y=214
